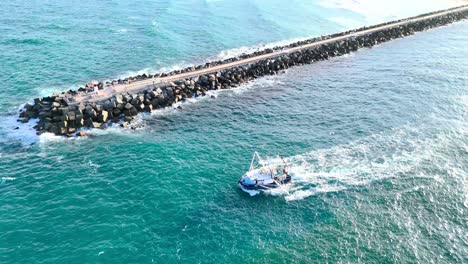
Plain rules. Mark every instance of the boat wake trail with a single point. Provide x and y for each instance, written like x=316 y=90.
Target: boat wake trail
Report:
x=404 y=151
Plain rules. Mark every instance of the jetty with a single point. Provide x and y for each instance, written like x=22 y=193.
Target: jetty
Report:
x=100 y=104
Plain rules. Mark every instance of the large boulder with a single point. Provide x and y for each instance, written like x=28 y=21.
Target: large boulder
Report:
x=90 y=112
x=155 y=103
x=140 y=107
x=117 y=112
x=118 y=98
x=152 y=94
x=130 y=112
x=135 y=101
x=103 y=117
x=170 y=93
x=148 y=108
x=128 y=106
x=28 y=107
x=98 y=107
x=71 y=116
x=64 y=110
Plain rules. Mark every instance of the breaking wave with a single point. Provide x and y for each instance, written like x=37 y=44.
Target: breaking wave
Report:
x=230 y=53
x=222 y=55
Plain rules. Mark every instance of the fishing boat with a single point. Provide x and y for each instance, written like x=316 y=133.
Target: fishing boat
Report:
x=263 y=175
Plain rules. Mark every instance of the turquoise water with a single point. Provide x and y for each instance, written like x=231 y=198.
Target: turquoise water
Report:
x=377 y=140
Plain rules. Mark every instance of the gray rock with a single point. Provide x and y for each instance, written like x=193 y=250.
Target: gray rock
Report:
x=71 y=116
x=148 y=108
x=155 y=103
x=128 y=106
x=118 y=99
x=103 y=117
x=151 y=94
x=135 y=101
x=98 y=107
x=170 y=93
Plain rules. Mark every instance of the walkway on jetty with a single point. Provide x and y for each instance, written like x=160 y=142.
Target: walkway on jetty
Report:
x=109 y=91
x=119 y=101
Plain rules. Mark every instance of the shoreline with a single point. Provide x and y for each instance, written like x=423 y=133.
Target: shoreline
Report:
x=120 y=100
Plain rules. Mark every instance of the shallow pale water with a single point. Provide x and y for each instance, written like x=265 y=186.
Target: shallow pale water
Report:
x=377 y=141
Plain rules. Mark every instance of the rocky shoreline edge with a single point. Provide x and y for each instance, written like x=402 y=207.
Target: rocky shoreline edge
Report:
x=60 y=114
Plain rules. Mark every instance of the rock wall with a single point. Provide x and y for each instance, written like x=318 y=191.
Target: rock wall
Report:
x=58 y=114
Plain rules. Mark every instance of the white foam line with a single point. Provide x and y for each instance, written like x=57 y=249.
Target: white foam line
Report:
x=43 y=91
x=231 y=53
x=21 y=132
x=8 y=179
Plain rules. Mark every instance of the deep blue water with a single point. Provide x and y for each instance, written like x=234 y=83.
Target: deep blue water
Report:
x=378 y=140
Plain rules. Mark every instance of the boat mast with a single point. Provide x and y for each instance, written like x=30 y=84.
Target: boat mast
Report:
x=252 y=162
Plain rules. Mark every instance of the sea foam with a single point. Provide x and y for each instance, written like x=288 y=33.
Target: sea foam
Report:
x=374 y=158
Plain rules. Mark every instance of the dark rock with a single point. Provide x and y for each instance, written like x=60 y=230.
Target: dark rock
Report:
x=59 y=114
x=71 y=116
x=128 y=106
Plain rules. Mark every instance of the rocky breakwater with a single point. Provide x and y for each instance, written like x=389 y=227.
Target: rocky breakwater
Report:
x=62 y=115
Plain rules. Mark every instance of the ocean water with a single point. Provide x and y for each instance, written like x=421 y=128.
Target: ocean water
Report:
x=377 y=140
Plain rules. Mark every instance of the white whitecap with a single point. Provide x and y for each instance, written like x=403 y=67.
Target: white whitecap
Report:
x=8 y=178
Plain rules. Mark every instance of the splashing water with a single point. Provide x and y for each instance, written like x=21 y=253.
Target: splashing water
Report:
x=359 y=163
